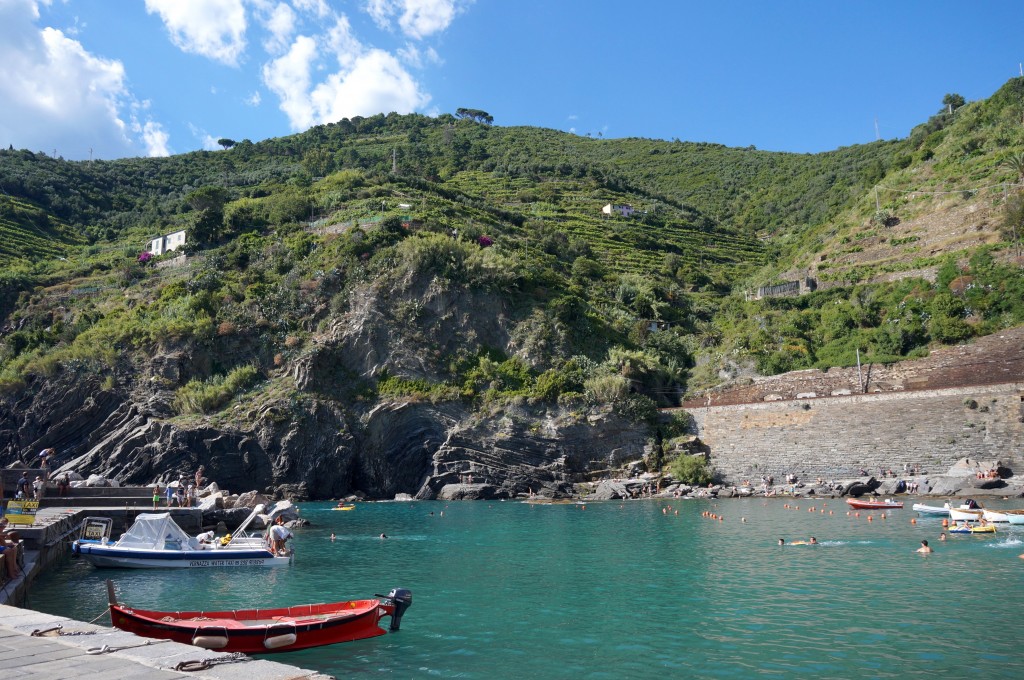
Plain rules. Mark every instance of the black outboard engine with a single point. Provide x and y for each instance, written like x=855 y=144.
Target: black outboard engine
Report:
x=402 y=600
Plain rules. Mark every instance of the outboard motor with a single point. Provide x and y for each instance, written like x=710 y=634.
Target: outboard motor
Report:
x=402 y=600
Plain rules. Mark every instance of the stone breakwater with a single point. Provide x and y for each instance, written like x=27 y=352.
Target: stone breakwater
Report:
x=838 y=437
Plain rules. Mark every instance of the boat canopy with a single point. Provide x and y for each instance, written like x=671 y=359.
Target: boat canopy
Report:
x=156 y=531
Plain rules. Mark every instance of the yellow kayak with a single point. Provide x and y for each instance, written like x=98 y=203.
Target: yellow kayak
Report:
x=344 y=507
x=989 y=529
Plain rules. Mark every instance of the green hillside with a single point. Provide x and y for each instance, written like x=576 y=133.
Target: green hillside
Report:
x=291 y=239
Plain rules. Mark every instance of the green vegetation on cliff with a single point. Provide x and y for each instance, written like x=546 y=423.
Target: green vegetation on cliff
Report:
x=449 y=259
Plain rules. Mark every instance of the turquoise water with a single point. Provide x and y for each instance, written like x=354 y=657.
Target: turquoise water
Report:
x=612 y=590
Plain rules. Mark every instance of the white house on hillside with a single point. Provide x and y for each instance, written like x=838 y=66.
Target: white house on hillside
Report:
x=165 y=244
x=626 y=210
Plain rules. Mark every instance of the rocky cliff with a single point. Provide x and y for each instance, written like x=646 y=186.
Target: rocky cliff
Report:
x=311 y=447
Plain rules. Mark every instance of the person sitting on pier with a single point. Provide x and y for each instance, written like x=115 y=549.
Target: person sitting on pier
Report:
x=9 y=549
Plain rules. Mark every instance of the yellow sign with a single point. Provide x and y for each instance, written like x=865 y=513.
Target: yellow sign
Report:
x=22 y=512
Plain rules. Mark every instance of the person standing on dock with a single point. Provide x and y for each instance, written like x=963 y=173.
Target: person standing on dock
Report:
x=44 y=462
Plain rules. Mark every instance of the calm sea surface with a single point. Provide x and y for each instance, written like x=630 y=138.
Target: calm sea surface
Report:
x=610 y=590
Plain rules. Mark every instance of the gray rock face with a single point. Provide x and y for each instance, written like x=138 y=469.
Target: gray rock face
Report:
x=859 y=488
x=609 y=491
x=470 y=492
x=311 y=447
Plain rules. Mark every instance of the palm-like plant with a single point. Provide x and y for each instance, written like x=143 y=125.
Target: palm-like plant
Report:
x=1016 y=163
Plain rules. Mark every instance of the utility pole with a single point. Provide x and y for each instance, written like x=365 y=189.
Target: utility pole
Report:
x=877 y=206
x=860 y=380
x=394 y=160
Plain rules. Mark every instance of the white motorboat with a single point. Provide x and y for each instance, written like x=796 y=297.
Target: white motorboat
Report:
x=965 y=515
x=156 y=541
x=937 y=511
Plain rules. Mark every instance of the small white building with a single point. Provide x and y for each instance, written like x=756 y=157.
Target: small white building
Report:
x=626 y=210
x=165 y=244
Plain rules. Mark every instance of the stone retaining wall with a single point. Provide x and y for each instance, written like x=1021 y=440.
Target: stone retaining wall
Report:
x=836 y=437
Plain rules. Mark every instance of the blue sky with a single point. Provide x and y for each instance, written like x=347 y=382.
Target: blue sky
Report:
x=115 y=78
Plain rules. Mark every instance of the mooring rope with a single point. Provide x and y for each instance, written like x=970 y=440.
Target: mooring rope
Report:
x=203 y=664
x=107 y=649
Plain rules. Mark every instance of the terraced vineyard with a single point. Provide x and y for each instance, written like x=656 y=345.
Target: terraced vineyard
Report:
x=624 y=244
x=27 y=231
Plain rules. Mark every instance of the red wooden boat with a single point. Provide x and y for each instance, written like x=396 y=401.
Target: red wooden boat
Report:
x=874 y=505
x=260 y=631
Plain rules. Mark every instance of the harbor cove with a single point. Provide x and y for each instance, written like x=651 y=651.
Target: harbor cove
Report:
x=401 y=387
x=637 y=589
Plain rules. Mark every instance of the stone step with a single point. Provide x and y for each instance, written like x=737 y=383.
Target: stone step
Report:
x=55 y=501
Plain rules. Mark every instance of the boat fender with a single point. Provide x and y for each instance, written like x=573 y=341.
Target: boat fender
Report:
x=210 y=641
x=279 y=641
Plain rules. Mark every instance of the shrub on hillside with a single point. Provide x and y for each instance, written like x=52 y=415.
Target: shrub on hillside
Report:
x=692 y=470
x=206 y=396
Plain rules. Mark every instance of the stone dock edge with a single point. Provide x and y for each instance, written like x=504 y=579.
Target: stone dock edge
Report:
x=78 y=649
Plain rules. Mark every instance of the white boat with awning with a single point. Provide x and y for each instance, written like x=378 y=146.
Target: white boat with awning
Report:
x=156 y=541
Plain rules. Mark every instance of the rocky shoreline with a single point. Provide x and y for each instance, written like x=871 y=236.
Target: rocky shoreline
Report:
x=966 y=478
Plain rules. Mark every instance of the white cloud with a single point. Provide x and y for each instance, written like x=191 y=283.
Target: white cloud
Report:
x=368 y=81
x=317 y=7
x=376 y=83
x=211 y=28
x=254 y=99
x=280 y=23
x=342 y=43
x=418 y=58
x=288 y=77
x=55 y=94
x=418 y=19
x=156 y=139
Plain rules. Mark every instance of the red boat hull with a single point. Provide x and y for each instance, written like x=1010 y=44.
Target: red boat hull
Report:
x=260 y=631
x=873 y=505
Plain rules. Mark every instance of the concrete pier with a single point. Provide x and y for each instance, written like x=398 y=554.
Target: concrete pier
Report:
x=99 y=653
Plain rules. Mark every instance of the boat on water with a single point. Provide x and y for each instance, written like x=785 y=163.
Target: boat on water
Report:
x=887 y=504
x=1014 y=516
x=935 y=510
x=156 y=541
x=945 y=509
x=968 y=511
x=261 y=631
x=971 y=529
x=995 y=516
x=965 y=514
x=345 y=506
